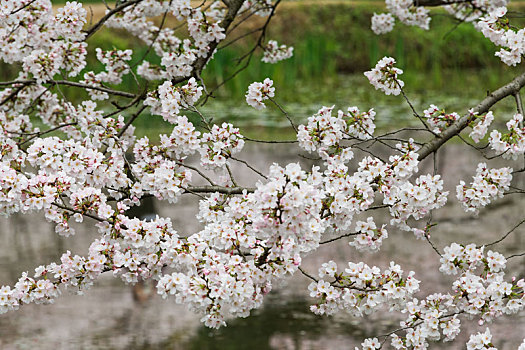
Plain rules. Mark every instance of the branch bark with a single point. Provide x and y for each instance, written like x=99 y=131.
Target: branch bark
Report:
x=233 y=8
x=435 y=3
x=507 y=90
x=220 y=189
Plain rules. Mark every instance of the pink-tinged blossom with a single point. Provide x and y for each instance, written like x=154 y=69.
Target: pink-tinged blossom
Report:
x=369 y=237
x=438 y=119
x=169 y=100
x=362 y=289
x=259 y=7
x=495 y=26
x=384 y=76
x=324 y=132
x=151 y=72
x=115 y=63
x=94 y=80
x=43 y=65
x=487 y=185
x=69 y=20
x=219 y=144
x=480 y=129
x=273 y=52
x=512 y=143
x=259 y=92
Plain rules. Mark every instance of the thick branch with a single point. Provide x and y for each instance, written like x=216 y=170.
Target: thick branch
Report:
x=220 y=189
x=439 y=2
x=233 y=8
x=507 y=90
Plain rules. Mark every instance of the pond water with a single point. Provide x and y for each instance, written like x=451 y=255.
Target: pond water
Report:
x=112 y=315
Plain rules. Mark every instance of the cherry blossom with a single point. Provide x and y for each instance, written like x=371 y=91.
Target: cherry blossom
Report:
x=258 y=92
x=79 y=161
x=384 y=76
x=273 y=52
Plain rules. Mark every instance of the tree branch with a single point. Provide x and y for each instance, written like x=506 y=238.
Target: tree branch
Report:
x=103 y=20
x=435 y=3
x=220 y=189
x=509 y=89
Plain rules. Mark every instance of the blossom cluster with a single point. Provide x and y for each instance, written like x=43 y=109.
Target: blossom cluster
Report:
x=457 y=258
x=115 y=62
x=259 y=7
x=157 y=173
x=489 y=18
x=382 y=23
x=369 y=237
x=42 y=41
x=220 y=143
x=96 y=168
x=480 y=129
x=438 y=119
x=384 y=76
x=325 y=131
x=259 y=92
x=512 y=143
x=480 y=341
x=409 y=14
x=487 y=185
x=416 y=200
x=480 y=291
x=273 y=52
x=168 y=100
x=94 y=81
x=495 y=26
x=472 y=11
x=481 y=282
x=140 y=250
x=361 y=289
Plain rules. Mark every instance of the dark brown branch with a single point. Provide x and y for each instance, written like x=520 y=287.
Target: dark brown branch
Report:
x=435 y=3
x=130 y=121
x=233 y=8
x=94 y=217
x=14 y=93
x=339 y=237
x=509 y=89
x=70 y=83
x=41 y=133
x=220 y=189
x=84 y=86
x=23 y=7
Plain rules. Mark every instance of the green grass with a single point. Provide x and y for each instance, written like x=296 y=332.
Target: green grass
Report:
x=334 y=39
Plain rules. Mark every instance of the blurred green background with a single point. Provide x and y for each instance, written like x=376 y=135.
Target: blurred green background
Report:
x=451 y=64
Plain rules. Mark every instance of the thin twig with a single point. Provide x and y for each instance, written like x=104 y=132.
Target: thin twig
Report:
x=339 y=237
x=285 y=114
x=117 y=9
x=249 y=166
x=506 y=234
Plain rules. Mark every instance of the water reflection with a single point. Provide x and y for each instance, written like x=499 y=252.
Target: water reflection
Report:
x=280 y=324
